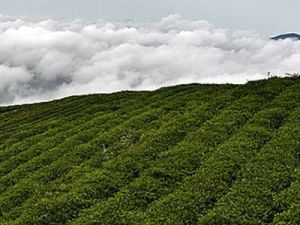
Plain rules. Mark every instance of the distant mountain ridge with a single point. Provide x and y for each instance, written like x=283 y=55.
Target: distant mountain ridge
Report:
x=293 y=36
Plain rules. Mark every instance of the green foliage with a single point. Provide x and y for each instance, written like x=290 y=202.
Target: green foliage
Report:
x=189 y=154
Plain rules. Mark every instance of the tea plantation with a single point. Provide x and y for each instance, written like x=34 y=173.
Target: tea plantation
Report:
x=202 y=154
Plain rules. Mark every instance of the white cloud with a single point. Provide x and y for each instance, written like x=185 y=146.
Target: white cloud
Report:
x=51 y=59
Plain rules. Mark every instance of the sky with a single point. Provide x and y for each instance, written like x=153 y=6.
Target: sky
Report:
x=53 y=49
x=265 y=16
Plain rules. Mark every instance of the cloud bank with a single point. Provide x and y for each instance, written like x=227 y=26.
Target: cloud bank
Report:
x=52 y=59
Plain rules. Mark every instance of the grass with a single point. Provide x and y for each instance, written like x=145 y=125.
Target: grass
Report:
x=189 y=154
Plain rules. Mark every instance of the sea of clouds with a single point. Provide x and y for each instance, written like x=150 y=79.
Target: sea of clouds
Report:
x=52 y=59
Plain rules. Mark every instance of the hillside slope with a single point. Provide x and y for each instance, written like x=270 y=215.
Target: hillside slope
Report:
x=189 y=154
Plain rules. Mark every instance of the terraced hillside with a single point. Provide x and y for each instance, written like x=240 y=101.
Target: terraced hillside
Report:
x=190 y=154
